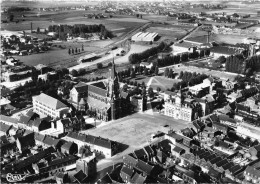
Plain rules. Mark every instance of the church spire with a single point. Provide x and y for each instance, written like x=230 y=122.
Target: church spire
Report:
x=113 y=69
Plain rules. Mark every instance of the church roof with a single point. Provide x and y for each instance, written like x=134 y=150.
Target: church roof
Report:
x=98 y=89
x=97 y=103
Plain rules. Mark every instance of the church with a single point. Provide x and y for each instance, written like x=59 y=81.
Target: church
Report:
x=102 y=97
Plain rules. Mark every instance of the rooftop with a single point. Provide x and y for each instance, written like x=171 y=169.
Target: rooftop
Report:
x=50 y=101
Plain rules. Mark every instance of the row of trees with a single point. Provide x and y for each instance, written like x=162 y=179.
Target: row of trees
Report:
x=80 y=29
x=171 y=60
x=235 y=64
x=252 y=64
x=137 y=58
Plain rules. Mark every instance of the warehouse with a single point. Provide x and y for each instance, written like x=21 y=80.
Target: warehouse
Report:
x=146 y=37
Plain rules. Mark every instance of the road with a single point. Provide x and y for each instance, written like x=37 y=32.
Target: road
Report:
x=109 y=57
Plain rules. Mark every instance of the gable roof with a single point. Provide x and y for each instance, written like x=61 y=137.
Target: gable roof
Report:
x=39 y=137
x=138 y=178
x=144 y=167
x=4 y=127
x=51 y=141
x=8 y=119
x=140 y=153
x=130 y=158
x=80 y=176
x=127 y=171
x=67 y=145
x=103 y=142
x=98 y=88
x=81 y=87
x=50 y=101
x=149 y=150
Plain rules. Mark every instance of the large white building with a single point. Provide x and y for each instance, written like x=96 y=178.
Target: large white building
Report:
x=146 y=37
x=247 y=130
x=178 y=110
x=45 y=105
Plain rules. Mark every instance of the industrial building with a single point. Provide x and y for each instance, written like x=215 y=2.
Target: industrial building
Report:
x=145 y=37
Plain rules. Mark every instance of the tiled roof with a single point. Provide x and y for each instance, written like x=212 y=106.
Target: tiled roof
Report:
x=129 y=158
x=80 y=176
x=214 y=173
x=90 y=139
x=39 y=137
x=97 y=89
x=222 y=162
x=105 y=179
x=177 y=149
x=50 y=101
x=228 y=165
x=144 y=167
x=4 y=127
x=81 y=87
x=226 y=118
x=138 y=178
x=140 y=153
x=4 y=118
x=103 y=142
x=235 y=169
x=149 y=150
x=253 y=171
x=215 y=160
x=127 y=171
x=67 y=145
x=51 y=141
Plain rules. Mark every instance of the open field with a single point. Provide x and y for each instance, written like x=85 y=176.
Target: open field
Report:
x=54 y=57
x=169 y=31
x=157 y=81
x=136 y=130
x=215 y=73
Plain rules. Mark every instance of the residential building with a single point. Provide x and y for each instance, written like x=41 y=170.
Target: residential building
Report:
x=45 y=105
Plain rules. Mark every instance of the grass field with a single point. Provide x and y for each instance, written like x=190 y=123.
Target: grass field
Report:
x=136 y=130
x=156 y=81
x=169 y=31
x=220 y=74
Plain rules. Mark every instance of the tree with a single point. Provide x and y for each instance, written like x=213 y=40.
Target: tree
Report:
x=74 y=73
x=82 y=48
x=150 y=92
x=170 y=75
x=11 y=18
x=99 y=65
x=158 y=89
x=69 y=51
x=181 y=75
x=137 y=15
x=166 y=72
x=207 y=52
x=125 y=87
x=156 y=71
x=145 y=71
x=81 y=71
x=72 y=51
x=133 y=74
x=34 y=75
x=38 y=30
x=76 y=50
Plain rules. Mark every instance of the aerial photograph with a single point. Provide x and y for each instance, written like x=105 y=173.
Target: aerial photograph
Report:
x=130 y=91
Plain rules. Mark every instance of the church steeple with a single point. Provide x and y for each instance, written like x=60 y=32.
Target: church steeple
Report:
x=113 y=83
x=113 y=70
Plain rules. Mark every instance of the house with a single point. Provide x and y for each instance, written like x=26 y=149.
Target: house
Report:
x=68 y=125
x=126 y=174
x=214 y=175
x=80 y=177
x=220 y=127
x=255 y=151
x=225 y=120
x=144 y=167
x=78 y=94
x=39 y=138
x=7 y=146
x=177 y=151
x=252 y=173
x=88 y=165
x=25 y=142
x=149 y=151
x=45 y=105
x=52 y=142
x=69 y=148
x=233 y=171
x=4 y=128
x=140 y=154
x=146 y=65
x=41 y=124
x=61 y=178
x=130 y=161
x=138 y=178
